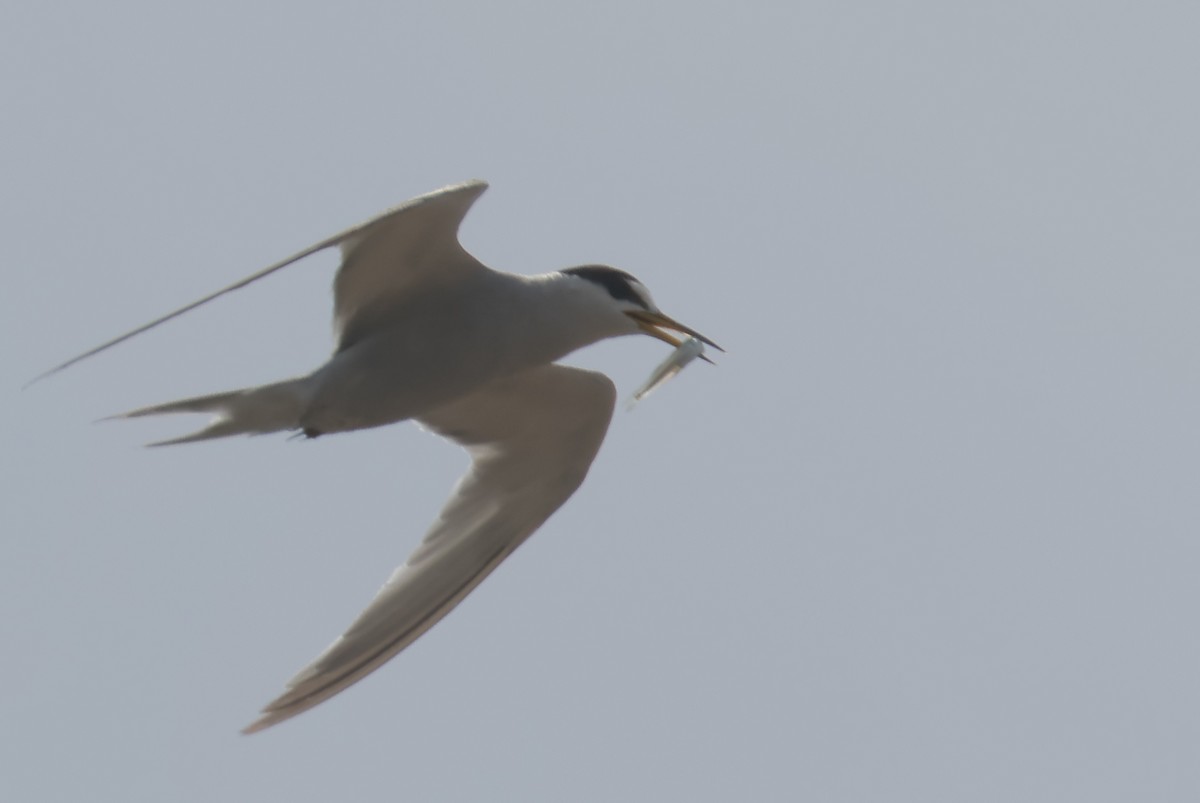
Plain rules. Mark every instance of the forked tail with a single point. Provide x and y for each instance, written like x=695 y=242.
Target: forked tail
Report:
x=249 y=411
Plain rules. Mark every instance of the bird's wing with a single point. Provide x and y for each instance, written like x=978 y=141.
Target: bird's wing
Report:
x=398 y=253
x=379 y=258
x=532 y=438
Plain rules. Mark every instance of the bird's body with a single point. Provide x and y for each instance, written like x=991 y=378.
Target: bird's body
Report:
x=426 y=332
x=395 y=374
x=437 y=347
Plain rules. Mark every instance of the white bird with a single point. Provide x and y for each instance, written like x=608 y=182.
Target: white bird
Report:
x=426 y=332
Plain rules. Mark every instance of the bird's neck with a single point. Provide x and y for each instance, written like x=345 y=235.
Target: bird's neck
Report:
x=563 y=314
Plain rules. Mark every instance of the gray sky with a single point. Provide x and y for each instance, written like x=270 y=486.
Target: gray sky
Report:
x=928 y=533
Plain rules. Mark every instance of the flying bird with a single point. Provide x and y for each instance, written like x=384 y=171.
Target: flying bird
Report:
x=424 y=331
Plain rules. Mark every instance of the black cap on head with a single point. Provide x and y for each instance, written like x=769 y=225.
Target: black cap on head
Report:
x=617 y=283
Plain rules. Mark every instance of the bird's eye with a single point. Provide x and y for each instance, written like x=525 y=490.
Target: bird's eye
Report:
x=619 y=285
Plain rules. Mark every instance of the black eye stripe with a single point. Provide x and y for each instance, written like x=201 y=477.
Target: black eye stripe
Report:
x=615 y=282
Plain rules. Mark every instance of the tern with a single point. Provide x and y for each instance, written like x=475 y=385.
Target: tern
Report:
x=424 y=331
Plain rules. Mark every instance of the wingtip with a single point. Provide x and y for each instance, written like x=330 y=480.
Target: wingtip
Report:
x=270 y=717
x=260 y=724
x=43 y=375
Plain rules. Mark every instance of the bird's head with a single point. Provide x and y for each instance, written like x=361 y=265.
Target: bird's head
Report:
x=631 y=298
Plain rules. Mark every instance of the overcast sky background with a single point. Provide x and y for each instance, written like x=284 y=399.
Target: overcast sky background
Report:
x=928 y=533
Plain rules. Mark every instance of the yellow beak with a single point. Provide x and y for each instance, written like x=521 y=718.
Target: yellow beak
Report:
x=663 y=327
